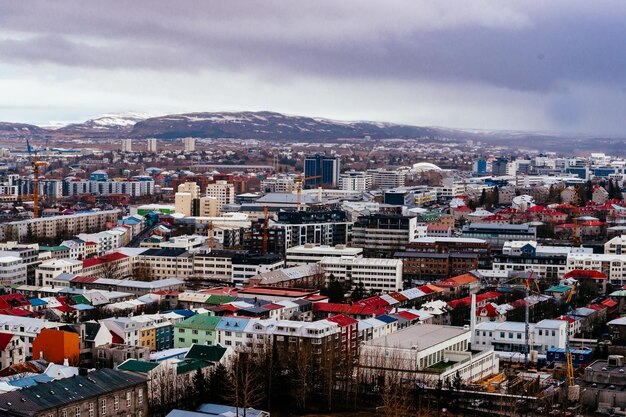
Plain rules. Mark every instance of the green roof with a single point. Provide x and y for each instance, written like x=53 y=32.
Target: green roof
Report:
x=206 y=353
x=190 y=365
x=80 y=299
x=618 y=293
x=559 y=288
x=219 y=299
x=137 y=366
x=53 y=248
x=199 y=322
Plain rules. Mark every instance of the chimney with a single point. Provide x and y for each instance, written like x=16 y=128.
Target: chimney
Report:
x=41 y=354
x=473 y=322
x=66 y=362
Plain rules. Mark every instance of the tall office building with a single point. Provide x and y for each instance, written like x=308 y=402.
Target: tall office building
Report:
x=480 y=167
x=499 y=167
x=127 y=145
x=189 y=144
x=324 y=167
x=152 y=145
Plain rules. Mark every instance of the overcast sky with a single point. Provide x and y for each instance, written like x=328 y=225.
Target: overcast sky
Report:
x=557 y=65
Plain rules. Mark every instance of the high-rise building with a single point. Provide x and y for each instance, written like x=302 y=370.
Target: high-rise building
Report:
x=189 y=144
x=186 y=197
x=480 y=167
x=499 y=167
x=223 y=191
x=127 y=145
x=324 y=168
x=152 y=145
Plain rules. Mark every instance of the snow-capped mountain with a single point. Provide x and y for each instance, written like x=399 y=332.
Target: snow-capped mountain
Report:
x=113 y=122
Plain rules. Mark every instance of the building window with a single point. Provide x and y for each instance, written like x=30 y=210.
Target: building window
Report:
x=64 y=413
x=128 y=399
x=77 y=411
x=140 y=396
x=90 y=409
x=116 y=403
x=104 y=407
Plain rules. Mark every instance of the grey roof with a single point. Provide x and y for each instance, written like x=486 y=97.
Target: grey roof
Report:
x=419 y=337
x=33 y=400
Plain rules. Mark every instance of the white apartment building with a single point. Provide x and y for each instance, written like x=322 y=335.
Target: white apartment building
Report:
x=279 y=185
x=384 y=179
x=26 y=328
x=242 y=272
x=48 y=270
x=107 y=240
x=212 y=265
x=223 y=191
x=187 y=242
x=165 y=263
x=310 y=253
x=616 y=246
x=152 y=145
x=376 y=274
x=56 y=226
x=612 y=265
x=189 y=144
x=355 y=181
x=127 y=145
x=13 y=270
x=510 y=336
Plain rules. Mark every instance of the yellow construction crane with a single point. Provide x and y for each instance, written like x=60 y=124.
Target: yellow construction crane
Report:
x=36 y=165
x=568 y=353
x=299 y=182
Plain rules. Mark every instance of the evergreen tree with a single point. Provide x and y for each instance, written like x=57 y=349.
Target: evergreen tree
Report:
x=334 y=291
x=201 y=387
x=217 y=383
x=359 y=292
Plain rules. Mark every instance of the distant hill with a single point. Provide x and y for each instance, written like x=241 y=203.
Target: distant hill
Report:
x=14 y=130
x=269 y=125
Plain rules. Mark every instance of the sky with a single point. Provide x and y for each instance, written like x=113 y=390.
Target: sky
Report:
x=551 y=66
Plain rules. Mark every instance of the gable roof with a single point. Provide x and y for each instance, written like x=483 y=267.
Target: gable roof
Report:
x=206 y=353
x=33 y=400
x=137 y=366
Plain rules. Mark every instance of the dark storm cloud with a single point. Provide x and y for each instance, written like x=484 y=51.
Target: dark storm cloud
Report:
x=526 y=47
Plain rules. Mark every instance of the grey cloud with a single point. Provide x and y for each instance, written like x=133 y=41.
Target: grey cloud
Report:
x=529 y=50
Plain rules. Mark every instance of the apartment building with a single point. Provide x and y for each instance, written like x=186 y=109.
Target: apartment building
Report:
x=616 y=246
x=382 y=235
x=310 y=253
x=612 y=265
x=223 y=192
x=26 y=328
x=165 y=263
x=431 y=266
x=58 y=226
x=48 y=270
x=376 y=274
x=510 y=336
x=13 y=270
x=197 y=329
x=498 y=234
x=330 y=227
x=382 y=179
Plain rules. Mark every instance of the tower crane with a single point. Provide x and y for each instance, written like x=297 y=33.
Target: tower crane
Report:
x=299 y=182
x=36 y=164
x=568 y=352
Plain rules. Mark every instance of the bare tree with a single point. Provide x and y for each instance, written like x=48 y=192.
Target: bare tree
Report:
x=246 y=379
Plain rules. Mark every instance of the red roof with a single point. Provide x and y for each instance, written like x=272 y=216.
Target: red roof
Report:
x=116 y=338
x=111 y=257
x=408 y=315
x=463 y=208
x=375 y=301
x=272 y=306
x=5 y=339
x=316 y=297
x=352 y=310
x=398 y=296
x=15 y=299
x=537 y=209
x=597 y=306
x=342 y=320
x=585 y=273
x=84 y=279
x=489 y=310
x=20 y=312
x=609 y=303
x=495 y=217
x=465 y=301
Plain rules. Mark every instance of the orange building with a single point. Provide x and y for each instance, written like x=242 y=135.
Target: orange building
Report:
x=56 y=346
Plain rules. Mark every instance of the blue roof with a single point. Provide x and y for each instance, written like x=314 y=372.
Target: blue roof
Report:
x=182 y=312
x=37 y=302
x=30 y=381
x=232 y=323
x=386 y=319
x=82 y=307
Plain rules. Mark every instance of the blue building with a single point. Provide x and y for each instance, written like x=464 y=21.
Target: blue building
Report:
x=579 y=356
x=480 y=167
x=324 y=167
